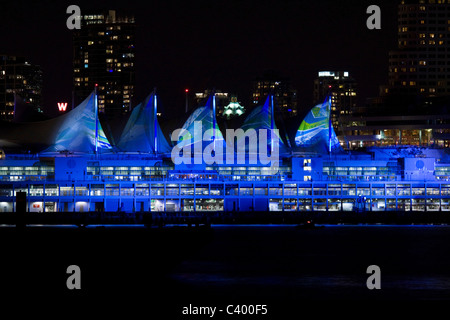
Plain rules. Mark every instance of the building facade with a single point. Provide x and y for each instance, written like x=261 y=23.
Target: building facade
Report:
x=412 y=130
x=405 y=179
x=412 y=108
x=104 y=54
x=21 y=78
x=420 y=64
x=285 y=96
x=342 y=89
x=79 y=171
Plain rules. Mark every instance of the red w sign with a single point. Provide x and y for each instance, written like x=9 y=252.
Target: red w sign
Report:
x=62 y=106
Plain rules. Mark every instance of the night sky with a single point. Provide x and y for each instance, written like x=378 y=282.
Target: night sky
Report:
x=220 y=44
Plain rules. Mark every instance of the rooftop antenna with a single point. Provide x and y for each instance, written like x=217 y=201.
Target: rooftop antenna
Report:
x=214 y=118
x=272 y=121
x=329 y=125
x=187 y=104
x=155 y=116
x=96 y=117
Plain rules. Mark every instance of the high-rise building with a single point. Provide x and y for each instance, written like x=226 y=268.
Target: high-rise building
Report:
x=412 y=108
x=104 y=54
x=285 y=95
x=343 y=91
x=420 y=64
x=21 y=78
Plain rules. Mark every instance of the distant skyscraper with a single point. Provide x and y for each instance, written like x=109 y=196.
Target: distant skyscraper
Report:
x=420 y=65
x=104 y=54
x=21 y=78
x=285 y=95
x=412 y=108
x=343 y=90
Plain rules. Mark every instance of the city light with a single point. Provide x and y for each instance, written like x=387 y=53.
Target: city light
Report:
x=279 y=177
x=62 y=106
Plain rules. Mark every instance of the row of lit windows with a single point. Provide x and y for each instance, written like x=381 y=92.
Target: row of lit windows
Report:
x=430 y=42
x=425 y=5
x=422 y=63
x=414 y=83
x=421 y=42
x=413 y=76
x=93 y=17
x=413 y=21
x=413 y=36
x=86 y=84
x=224 y=189
x=413 y=56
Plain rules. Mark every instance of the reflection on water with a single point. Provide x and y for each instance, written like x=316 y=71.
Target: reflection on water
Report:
x=330 y=263
x=222 y=281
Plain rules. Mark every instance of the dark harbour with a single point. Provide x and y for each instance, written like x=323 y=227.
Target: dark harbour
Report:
x=160 y=270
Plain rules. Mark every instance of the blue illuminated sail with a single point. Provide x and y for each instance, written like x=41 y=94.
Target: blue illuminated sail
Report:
x=142 y=132
x=80 y=130
x=314 y=131
x=194 y=133
x=262 y=118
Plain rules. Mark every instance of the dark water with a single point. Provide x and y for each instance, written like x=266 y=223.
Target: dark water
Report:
x=329 y=263
x=160 y=271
